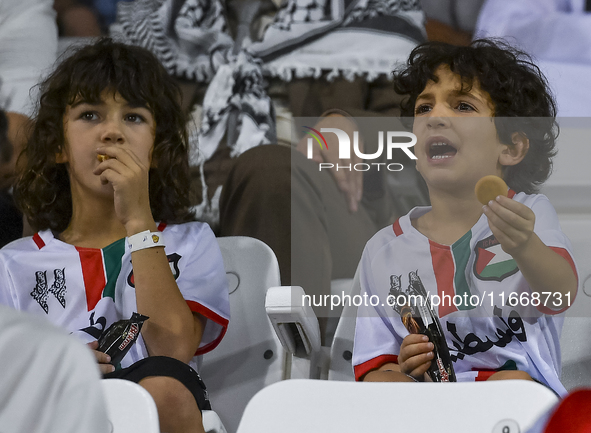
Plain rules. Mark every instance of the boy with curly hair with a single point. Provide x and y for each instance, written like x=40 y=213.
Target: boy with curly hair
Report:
x=497 y=275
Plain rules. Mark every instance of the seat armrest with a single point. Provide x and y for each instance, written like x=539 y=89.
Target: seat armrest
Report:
x=294 y=322
x=212 y=422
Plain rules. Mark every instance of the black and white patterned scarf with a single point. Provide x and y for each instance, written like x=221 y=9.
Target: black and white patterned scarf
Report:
x=191 y=40
x=347 y=37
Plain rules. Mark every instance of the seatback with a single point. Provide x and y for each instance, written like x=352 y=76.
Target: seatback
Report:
x=319 y=406
x=341 y=351
x=250 y=356
x=130 y=407
x=574 y=341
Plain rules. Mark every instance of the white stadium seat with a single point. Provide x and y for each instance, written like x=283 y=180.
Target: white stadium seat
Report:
x=574 y=341
x=250 y=356
x=320 y=406
x=341 y=351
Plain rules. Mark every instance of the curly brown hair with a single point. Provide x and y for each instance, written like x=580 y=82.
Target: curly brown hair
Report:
x=519 y=91
x=42 y=190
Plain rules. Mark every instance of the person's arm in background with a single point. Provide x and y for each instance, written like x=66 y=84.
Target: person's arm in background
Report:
x=451 y=21
x=76 y=19
x=545 y=29
x=350 y=182
x=441 y=32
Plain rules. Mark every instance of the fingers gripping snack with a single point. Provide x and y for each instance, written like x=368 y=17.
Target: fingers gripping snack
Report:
x=120 y=336
x=102 y=158
x=418 y=317
x=490 y=187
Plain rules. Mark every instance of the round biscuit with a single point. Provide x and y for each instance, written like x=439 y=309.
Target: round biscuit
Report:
x=489 y=187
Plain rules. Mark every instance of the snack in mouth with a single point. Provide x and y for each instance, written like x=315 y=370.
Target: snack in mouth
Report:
x=490 y=187
x=102 y=158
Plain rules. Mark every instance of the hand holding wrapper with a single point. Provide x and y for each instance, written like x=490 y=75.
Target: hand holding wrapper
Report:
x=120 y=336
x=418 y=317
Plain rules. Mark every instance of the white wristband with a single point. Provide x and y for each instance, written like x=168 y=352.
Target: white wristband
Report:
x=145 y=239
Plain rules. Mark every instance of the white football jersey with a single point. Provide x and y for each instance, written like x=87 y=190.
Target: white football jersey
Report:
x=483 y=301
x=85 y=290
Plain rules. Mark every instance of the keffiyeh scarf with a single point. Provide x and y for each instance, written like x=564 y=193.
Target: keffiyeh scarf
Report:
x=347 y=37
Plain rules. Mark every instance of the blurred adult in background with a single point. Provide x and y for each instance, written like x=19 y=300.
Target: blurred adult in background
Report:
x=248 y=68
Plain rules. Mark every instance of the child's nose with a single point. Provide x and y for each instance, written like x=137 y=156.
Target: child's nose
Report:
x=112 y=133
x=438 y=117
x=437 y=122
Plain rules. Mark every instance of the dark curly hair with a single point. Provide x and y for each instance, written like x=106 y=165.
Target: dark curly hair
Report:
x=520 y=93
x=43 y=191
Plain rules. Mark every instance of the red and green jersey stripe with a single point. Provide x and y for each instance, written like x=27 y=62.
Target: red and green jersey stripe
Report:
x=449 y=265
x=100 y=270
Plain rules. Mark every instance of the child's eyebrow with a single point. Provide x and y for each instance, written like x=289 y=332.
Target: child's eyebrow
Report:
x=138 y=105
x=424 y=96
x=83 y=101
x=454 y=93
x=131 y=105
x=466 y=94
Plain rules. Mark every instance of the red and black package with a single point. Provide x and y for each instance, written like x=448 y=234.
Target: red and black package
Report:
x=118 y=339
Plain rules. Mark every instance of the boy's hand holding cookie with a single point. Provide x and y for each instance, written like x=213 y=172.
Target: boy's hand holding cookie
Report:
x=512 y=223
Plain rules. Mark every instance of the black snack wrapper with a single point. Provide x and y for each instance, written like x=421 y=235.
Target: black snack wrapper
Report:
x=120 y=336
x=418 y=317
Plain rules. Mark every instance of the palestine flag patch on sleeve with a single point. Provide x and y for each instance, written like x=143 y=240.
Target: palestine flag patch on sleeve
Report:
x=492 y=263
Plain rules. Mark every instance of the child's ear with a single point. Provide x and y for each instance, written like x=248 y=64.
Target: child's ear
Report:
x=514 y=153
